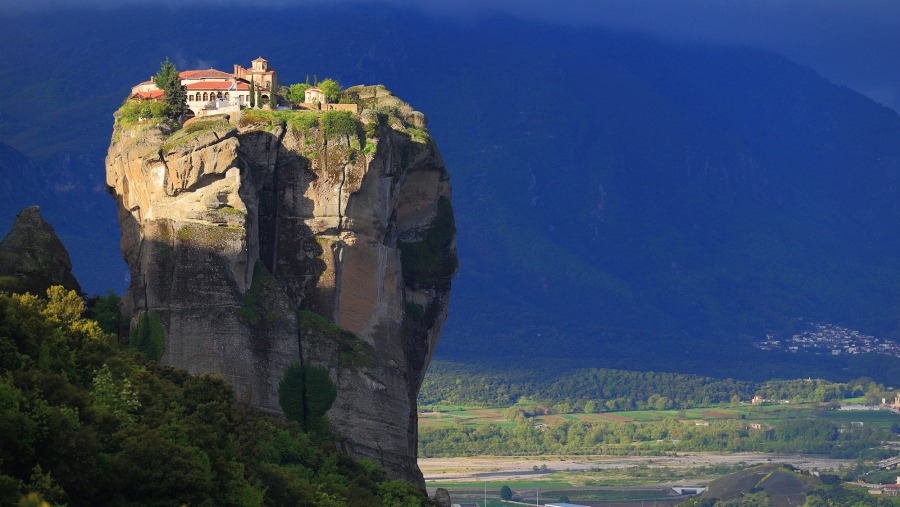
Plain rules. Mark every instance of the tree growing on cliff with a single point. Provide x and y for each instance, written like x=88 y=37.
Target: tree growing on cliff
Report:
x=169 y=81
x=305 y=395
x=297 y=92
x=148 y=337
x=331 y=89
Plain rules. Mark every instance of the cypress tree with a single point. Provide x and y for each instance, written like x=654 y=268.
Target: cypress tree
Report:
x=169 y=81
x=252 y=93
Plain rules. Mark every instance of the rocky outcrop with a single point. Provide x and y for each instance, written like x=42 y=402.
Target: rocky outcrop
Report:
x=442 y=498
x=278 y=237
x=32 y=258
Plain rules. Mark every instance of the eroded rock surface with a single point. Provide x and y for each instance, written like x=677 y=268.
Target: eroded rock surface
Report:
x=241 y=233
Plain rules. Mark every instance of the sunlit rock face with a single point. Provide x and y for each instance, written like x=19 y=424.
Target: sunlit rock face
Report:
x=242 y=233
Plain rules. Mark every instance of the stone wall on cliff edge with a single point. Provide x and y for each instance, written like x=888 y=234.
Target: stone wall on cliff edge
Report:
x=248 y=238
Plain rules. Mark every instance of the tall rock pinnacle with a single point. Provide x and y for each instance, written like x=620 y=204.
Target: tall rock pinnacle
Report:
x=272 y=238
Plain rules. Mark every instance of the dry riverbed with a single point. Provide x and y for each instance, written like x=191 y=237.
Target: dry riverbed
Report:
x=522 y=468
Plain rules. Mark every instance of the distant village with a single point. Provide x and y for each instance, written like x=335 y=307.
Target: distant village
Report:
x=827 y=338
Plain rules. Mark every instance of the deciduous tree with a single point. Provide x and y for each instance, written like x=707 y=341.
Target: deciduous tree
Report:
x=331 y=89
x=297 y=92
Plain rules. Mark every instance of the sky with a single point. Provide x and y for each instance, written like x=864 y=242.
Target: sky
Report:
x=855 y=43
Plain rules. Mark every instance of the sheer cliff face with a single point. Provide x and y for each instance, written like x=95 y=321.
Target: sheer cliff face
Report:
x=238 y=233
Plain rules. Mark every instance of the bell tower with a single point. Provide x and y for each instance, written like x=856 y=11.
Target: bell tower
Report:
x=260 y=64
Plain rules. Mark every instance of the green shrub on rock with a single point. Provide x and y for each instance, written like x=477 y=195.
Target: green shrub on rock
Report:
x=339 y=123
x=305 y=395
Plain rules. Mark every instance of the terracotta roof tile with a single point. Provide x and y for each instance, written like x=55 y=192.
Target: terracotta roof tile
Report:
x=152 y=94
x=199 y=74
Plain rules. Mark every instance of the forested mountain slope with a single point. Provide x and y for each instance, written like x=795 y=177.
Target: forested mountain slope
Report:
x=621 y=201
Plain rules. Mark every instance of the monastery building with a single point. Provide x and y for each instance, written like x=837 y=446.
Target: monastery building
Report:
x=213 y=91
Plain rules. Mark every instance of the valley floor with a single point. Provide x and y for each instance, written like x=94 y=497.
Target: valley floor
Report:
x=597 y=480
x=504 y=468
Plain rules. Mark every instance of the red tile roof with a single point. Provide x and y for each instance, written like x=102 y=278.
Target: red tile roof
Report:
x=200 y=74
x=152 y=94
x=260 y=59
x=217 y=85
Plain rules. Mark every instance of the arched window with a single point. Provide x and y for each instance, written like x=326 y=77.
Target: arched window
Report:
x=226 y=95
x=219 y=95
x=205 y=97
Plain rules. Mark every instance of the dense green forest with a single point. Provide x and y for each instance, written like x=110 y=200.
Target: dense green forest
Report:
x=651 y=438
x=527 y=395
x=84 y=421
x=601 y=389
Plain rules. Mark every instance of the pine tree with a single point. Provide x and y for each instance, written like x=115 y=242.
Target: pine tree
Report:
x=169 y=81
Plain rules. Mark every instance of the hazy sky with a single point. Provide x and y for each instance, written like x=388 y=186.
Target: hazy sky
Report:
x=850 y=42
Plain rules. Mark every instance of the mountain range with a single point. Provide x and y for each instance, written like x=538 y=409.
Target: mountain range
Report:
x=621 y=201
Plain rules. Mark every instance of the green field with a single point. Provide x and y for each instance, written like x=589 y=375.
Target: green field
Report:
x=526 y=491
x=877 y=418
x=438 y=416
x=528 y=494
